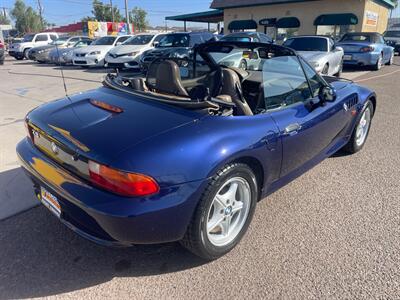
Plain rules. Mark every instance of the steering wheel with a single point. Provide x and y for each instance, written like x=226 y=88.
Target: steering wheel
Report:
x=218 y=82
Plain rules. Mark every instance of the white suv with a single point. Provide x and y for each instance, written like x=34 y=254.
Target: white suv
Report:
x=20 y=50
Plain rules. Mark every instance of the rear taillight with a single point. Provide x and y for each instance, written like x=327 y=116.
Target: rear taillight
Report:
x=367 y=49
x=122 y=183
x=29 y=130
x=1 y=45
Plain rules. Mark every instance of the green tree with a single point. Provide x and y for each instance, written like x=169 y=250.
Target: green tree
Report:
x=139 y=19
x=26 y=18
x=102 y=12
x=4 y=20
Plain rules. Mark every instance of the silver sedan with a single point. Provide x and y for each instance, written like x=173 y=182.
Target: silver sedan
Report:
x=320 y=51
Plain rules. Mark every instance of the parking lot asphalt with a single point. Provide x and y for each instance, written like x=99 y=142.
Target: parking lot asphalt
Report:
x=332 y=233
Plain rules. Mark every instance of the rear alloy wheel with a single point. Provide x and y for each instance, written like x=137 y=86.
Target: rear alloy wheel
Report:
x=378 y=64
x=223 y=213
x=361 y=130
x=325 y=70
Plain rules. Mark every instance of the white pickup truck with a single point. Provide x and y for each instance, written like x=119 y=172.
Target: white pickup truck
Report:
x=19 y=50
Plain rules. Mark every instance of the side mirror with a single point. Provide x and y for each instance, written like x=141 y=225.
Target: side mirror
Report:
x=155 y=44
x=327 y=94
x=118 y=43
x=337 y=48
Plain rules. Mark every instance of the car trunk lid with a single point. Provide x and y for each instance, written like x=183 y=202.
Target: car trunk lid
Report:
x=82 y=128
x=353 y=47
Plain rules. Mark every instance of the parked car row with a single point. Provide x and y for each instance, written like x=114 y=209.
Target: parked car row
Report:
x=138 y=51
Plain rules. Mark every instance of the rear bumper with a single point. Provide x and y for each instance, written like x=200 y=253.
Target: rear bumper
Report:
x=106 y=218
x=362 y=59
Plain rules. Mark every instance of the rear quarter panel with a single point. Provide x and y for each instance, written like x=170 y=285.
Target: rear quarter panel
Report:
x=197 y=151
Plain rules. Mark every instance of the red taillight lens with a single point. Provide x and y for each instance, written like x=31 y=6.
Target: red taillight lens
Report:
x=122 y=183
x=1 y=45
x=367 y=49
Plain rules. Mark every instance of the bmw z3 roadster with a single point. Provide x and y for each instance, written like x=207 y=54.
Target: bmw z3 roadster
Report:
x=184 y=153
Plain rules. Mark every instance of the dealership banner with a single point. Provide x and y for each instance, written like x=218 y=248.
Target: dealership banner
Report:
x=99 y=29
x=371 y=18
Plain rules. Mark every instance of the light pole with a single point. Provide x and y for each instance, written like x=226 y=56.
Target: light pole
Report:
x=112 y=11
x=127 y=16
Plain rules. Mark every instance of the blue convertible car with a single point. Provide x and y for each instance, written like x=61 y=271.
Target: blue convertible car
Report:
x=366 y=49
x=185 y=153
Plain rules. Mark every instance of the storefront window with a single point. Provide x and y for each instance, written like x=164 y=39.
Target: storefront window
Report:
x=284 y=33
x=335 y=31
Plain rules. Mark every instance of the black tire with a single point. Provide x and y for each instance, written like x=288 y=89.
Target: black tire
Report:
x=1 y=62
x=243 y=64
x=352 y=147
x=196 y=239
x=378 y=64
x=19 y=57
x=325 y=70
x=25 y=55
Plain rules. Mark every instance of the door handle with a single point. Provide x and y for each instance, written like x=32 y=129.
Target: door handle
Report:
x=292 y=129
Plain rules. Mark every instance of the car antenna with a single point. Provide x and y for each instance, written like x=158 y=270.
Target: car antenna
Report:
x=62 y=73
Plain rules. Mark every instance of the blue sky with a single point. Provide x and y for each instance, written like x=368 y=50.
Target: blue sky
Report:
x=64 y=12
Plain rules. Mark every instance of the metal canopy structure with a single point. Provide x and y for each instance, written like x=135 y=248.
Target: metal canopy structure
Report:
x=210 y=16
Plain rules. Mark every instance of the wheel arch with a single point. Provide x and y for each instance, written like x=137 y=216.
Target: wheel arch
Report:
x=253 y=163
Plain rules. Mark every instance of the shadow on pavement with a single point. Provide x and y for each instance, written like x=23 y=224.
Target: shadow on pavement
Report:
x=350 y=69
x=40 y=257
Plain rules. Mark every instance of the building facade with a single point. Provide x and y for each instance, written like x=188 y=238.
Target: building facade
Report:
x=282 y=18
